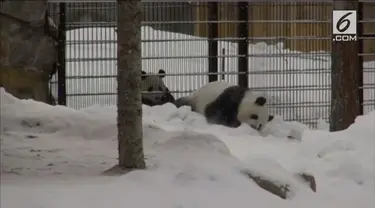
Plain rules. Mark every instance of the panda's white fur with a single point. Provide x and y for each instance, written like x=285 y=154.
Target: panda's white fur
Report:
x=207 y=94
x=248 y=111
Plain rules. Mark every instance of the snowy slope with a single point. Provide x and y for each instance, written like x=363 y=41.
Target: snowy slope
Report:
x=52 y=156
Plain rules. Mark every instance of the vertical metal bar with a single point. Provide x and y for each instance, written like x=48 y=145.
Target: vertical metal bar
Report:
x=360 y=57
x=212 y=40
x=243 y=30
x=61 y=79
x=223 y=64
x=344 y=90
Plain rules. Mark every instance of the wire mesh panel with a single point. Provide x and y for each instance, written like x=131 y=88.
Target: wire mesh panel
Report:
x=53 y=14
x=288 y=51
x=368 y=55
x=290 y=58
x=182 y=55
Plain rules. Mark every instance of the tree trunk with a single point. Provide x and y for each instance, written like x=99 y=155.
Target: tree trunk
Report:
x=345 y=89
x=129 y=106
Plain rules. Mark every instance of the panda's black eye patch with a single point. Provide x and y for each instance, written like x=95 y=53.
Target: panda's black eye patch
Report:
x=254 y=116
x=150 y=89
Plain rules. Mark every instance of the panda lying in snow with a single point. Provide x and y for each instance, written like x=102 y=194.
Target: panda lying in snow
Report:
x=154 y=91
x=229 y=105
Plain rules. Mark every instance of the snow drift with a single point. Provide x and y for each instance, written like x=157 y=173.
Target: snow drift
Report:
x=53 y=156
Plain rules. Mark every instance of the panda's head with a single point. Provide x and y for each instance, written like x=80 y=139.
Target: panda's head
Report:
x=154 y=91
x=253 y=111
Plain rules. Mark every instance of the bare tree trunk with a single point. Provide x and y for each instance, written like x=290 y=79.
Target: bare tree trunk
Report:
x=129 y=107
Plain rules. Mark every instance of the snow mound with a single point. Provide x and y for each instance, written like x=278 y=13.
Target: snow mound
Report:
x=36 y=117
x=60 y=153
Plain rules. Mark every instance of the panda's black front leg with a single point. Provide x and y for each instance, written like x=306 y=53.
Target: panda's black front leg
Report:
x=230 y=121
x=230 y=118
x=214 y=119
x=221 y=118
x=147 y=102
x=234 y=123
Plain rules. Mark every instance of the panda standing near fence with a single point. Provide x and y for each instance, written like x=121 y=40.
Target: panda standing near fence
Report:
x=154 y=91
x=229 y=105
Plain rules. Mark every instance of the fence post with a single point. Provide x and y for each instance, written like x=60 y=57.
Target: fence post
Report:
x=223 y=63
x=345 y=88
x=61 y=78
x=243 y=47
x=212 y=41
x=360 y=55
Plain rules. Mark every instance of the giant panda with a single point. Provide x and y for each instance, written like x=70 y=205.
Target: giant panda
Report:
x=154 y=91
x=229 y=105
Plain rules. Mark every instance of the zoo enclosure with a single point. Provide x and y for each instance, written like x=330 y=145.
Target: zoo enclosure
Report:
x=288 y=56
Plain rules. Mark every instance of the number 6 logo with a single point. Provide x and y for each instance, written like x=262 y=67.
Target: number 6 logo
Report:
x=344 y=21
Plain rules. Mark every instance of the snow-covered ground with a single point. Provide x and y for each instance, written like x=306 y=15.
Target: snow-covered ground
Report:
x=299 y=83
x=52 y=156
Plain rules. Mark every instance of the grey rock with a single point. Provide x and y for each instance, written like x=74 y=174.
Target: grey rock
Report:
x=26 y=49
x=280 y=190
x=308 y=179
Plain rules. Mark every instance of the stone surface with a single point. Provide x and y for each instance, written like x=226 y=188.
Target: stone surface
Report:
x=309 y=179
x=269 y=175
x=24 y=83
x=28 y=54
x=280 y=190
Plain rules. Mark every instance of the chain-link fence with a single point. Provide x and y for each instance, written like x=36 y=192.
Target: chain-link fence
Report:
x=282 y=49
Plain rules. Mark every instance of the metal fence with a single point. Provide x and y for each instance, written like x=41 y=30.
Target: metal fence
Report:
x=282 y=49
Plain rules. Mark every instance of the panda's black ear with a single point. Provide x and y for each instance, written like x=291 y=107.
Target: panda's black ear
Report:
x=143 y=75
x=260 y=101
x=161 y=73
x=270 y=118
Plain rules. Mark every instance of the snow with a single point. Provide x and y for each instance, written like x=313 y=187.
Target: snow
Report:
x=297 y=83
x=53 y=156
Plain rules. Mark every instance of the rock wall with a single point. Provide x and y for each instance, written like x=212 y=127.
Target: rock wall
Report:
x=27 y=54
